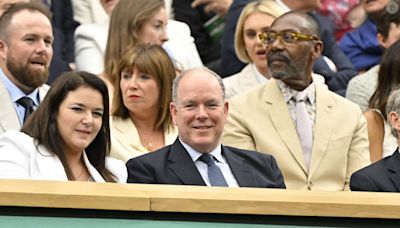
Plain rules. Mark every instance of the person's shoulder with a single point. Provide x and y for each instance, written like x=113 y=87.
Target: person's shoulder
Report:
x=178 y=27
x=118 y=168
x=365 y=77
x=91 y=29
x=375 y=168
x=339 y=100
x=18 y=142
x=248 y=153
x=254 y=94
x=15 y=135
x=151 y=157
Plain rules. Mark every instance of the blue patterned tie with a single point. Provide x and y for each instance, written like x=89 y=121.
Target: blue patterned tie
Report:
x=213 y=171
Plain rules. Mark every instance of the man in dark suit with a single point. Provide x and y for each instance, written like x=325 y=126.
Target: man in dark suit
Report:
x=383 y=175
x=199 y=111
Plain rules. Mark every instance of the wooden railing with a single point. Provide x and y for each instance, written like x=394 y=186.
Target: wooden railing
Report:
x=194 y=199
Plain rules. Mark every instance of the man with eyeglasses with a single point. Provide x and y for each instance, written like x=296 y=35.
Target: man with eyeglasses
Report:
x=318 y=138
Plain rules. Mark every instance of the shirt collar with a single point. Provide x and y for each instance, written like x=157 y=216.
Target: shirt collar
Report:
x=288 y=92
x=260 y=78
x=15 y=92
x=195 y=155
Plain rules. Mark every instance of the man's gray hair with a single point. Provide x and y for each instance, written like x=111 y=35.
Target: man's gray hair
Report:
x=393 y=105
x=184 y=73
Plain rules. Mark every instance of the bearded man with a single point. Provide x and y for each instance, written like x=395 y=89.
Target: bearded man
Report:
x=317 y=137
x=26 y=38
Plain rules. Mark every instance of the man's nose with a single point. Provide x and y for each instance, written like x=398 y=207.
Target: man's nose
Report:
x=201 y=112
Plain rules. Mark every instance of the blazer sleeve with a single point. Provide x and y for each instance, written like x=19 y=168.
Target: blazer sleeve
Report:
x=88 y=56
x=358 y=155
x=236 y=132
x=356 y=93
x=118 y=169
x=139 y=172
x=278 y=177
x=14 y=157
x=360 y=181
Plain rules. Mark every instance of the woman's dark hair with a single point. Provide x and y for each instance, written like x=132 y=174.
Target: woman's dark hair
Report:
x=42 y=124
x=388 y=78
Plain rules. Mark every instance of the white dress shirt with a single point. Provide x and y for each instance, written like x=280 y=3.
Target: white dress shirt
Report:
x=219 y=161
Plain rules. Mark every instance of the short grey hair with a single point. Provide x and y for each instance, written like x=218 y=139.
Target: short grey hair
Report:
x=184 y=73
x=393 y=105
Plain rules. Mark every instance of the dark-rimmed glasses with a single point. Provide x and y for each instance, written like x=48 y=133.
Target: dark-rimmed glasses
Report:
x=268 y=38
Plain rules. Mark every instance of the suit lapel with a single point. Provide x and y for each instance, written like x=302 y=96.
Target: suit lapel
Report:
x=394 y=167
x=8 y=115
x=283 y=123
x=43 y=91
x=126 y=133
x=322 y=128
x=49 y=166
x=240 y=170
x=180 y=162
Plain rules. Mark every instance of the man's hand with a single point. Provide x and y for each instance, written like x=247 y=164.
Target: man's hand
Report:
x=219 y=7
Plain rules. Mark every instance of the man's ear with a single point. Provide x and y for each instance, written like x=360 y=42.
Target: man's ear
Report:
x=173 y=111
x=3 y=49
x=381 y=40
x=394 y=120
x=317 y=49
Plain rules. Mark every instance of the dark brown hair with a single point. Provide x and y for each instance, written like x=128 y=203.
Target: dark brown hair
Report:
x=388 y=78
x=42 y=124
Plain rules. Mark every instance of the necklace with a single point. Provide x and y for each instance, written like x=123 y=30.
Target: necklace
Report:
x=83 y=168
x=148 y=146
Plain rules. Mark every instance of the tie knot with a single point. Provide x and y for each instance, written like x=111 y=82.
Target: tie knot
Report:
x=301 y=96
x=207 y=158
x=26 y=102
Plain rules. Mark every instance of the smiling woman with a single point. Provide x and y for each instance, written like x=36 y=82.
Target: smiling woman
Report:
x=66 y=138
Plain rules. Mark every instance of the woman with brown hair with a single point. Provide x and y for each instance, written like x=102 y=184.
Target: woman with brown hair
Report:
x=66 y=138
x=141 y=121
x=381 y=142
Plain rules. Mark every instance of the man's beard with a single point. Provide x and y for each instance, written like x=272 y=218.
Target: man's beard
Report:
x=26 y=76
x=291 y=69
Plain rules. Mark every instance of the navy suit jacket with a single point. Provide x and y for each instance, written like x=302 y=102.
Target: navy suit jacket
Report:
x=63 y=31
x=336 y=81
x=195 y=18
x=173 y=165
x=381 y=176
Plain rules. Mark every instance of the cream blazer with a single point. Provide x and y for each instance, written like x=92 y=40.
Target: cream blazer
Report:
x=260 y=120
x=247 y=79
x=125 y=141
x=20 y=159
x=8 y=115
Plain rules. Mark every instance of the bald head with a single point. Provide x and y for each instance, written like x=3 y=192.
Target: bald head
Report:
x=305 y=22
x=196 y=71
